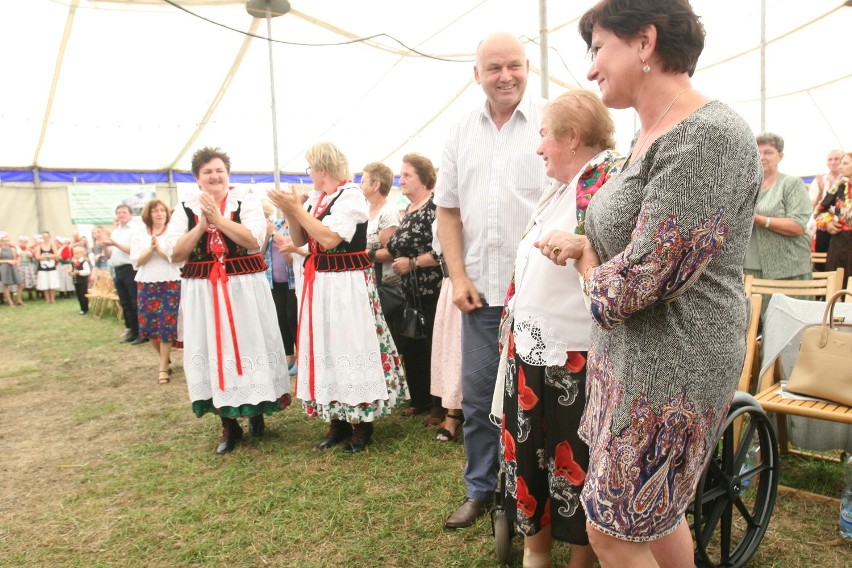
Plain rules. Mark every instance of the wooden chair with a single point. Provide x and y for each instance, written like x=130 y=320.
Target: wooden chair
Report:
x=769 y=386
x=823 y=284
x=102 y=296
x=818 y=258
x=752 y=360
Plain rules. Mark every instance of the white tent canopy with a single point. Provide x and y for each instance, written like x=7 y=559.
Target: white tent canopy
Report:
x=138 y=85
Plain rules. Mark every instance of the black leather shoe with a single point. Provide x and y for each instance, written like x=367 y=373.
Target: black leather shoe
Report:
x=231 y=434
x=257 y=426
x=129 y=338
x=337 y=432
x=139 y=341
x=466 y=514
x=362 y=433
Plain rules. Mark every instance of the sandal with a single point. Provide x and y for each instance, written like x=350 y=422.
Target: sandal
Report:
x=435 y=417
x=163 y=377
x=445 y=435
x=411 y=411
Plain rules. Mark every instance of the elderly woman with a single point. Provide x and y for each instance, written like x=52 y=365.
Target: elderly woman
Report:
x=834 y=215
x=349 y=370
x=234 y=358
x=546 y=337
x=662 y=264
x=157 y=284
x=376 y=183
x=416 y=262
x=780 y=247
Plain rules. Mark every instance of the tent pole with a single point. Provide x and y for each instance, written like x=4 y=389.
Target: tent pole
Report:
x=39 y=200
x=762 y=65
x=542 y=36
x=276 y=174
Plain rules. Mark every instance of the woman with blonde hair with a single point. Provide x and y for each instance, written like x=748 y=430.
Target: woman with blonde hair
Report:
x=546 y=334
x=349 y=373
x=157 y=284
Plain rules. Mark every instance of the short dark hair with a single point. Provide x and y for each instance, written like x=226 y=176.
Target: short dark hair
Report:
x=424 y=168
x=124 y=206
x=382 y=174
x=680 y=33
x=206 y=154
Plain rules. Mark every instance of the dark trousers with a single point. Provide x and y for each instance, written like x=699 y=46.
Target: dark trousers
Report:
x=125 y=287
x=821 y=242
x=417 y=354
x=285 y=307
x=480 y=360
x=81 y=287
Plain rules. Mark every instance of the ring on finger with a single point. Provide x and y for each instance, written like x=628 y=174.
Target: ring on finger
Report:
x=556 y=250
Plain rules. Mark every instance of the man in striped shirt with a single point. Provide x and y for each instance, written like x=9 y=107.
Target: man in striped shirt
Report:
x=488 y=184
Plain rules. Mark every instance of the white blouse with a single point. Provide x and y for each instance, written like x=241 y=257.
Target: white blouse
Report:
x=549 y=312
x=251 y=217
x=158 y=268
x=350 y=209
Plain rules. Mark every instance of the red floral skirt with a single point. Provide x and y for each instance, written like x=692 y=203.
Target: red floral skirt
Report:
x=157 y=306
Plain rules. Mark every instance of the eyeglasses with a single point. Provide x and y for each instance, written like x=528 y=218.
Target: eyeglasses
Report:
x=308 y=170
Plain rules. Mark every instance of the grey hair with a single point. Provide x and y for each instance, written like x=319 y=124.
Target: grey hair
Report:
x=771 y=139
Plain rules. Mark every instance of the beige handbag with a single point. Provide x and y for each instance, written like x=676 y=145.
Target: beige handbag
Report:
x=824 y=366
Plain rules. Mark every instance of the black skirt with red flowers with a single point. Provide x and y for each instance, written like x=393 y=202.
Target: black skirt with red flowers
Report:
x=543 y=459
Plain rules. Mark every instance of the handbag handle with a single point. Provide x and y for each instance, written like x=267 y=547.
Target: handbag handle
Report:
x=828 y=315
x=415 y=289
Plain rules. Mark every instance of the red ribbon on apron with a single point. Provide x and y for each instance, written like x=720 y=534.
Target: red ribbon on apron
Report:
x=308 y=277
x=218 y=275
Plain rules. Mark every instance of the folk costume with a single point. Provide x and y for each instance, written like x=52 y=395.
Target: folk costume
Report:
x=349 y=367
x=233 y=354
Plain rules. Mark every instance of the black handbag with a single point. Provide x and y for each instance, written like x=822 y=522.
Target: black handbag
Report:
x=413 y=323
x=391 y=296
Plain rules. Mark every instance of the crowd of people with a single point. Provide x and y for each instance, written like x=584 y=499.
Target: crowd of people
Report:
x=582 y=312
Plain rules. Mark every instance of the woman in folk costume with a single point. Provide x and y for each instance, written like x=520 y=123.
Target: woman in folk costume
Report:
x=349 y=369
x=233 y=354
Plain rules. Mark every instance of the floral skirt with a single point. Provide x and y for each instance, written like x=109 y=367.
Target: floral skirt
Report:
x=157 y=306
x=542 y=457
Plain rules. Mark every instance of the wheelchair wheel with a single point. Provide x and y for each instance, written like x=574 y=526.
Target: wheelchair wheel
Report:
x=502 y=527
x=736 y=496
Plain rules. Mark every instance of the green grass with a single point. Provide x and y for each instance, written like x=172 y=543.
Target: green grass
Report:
x=103 y=467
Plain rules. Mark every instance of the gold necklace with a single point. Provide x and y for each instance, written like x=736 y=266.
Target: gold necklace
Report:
x=634 y=155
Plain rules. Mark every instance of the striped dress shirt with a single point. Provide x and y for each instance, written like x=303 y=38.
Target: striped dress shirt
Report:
x=495 y=178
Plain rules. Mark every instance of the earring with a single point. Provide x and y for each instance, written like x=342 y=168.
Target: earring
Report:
x=646 y=68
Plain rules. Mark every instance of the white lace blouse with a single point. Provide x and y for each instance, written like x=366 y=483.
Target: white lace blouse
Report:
x=550 y=315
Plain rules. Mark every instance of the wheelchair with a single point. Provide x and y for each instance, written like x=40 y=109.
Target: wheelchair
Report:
x=734 y=498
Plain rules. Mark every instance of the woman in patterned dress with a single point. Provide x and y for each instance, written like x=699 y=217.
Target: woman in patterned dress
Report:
x=233 y=354
x=349 y=370
x=411 y=250
x=663 y=265
x=546 y=331
x=157 y=284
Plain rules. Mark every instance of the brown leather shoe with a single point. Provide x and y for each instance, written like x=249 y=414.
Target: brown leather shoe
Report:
x=466 y=514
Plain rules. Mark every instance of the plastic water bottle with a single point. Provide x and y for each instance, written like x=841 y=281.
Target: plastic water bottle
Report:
x=750 y=462
x=846 y=501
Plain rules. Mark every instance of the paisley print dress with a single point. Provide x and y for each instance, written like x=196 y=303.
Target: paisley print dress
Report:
x=671 y=231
